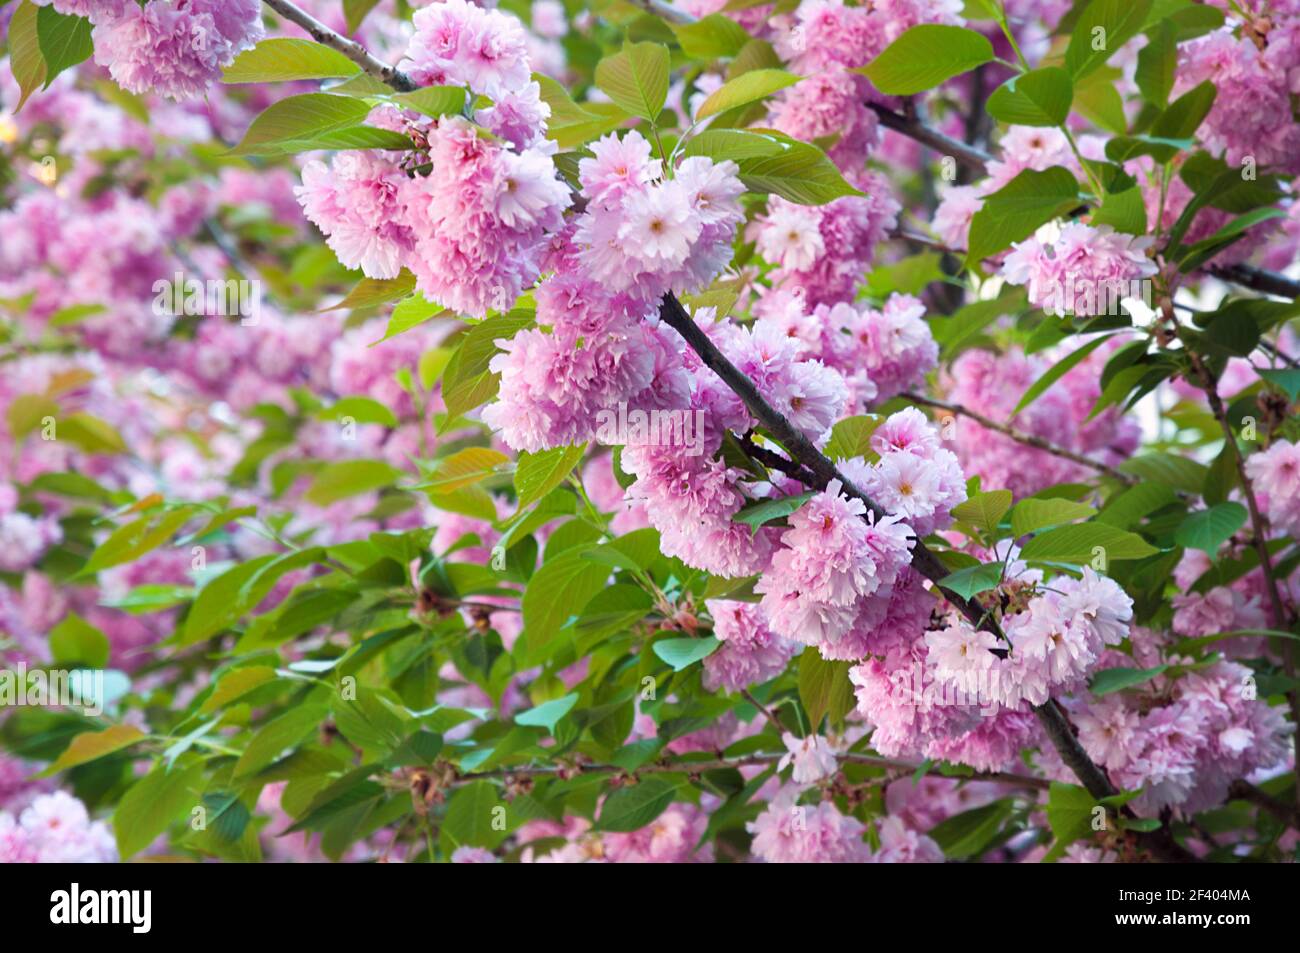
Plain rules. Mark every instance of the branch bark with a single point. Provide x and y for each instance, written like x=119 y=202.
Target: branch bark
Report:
x=977 y=160
x=353 y=50
x=1277 y=608
x=1029 y=440
x=750 y=761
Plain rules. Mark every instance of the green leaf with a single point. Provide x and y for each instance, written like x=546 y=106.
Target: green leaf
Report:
x=548 y=714
x=1123 y=211
x=984 y=510
x=537 y=474
x=479 y=346
x=851 y=437
x=1057 y=371
x=733 y=144
x=635 y=806
x=1209 y=529
x=562 y=585
x=338 y=481
x=355 y=11
x=745 y=88
x=800 y=173
x=926 y=56
x=1080 y=544
x=25 y=59
x=362 y=410
x=1020 y=208
x=217 y=603
x=970 y=833
x=92 y=745
x=1102 y=28
x=464 y=468
x=300 y=118
x=64 y=40
x=1156 y=64
x=636 y=79
x=710 y=38
x=1185 y=114
x=1070 y=811
x=470 y=815
x=280 y=59
x=153 y=803
x=435 y=101
x=409 y=313
x=1134 y=503
x=371 y=292
x=824 y=688
x=973 y=579
x=1287 y=380
x=765 y=511
x=1097 y=99
x=75 y=643
x=1117 y=679
x=235 y=685
x=1033 y=514
x=369 y=722
x=132 y=540
x=278 y=736
x=683 y=653
x=1179 y=472
x=419 y=750
x=1040 y=97
x=91 y=434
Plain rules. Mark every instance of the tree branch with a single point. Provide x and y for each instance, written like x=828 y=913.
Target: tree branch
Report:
x=1277 y=608
x=750 y=761
x=353 y=50
x=1245 y=791
x=1020 y=436
x=671 y=312
x=977 y=160
x=1055 y=725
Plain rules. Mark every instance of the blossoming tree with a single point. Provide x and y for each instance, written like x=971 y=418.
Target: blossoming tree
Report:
x=794 y=431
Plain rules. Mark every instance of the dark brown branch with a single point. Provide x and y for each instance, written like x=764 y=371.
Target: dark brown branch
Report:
x=1055 y=725
x=1259 y=538
x=774 y=461
x=1020 y=436
x=1245 y=791
x=977 y=160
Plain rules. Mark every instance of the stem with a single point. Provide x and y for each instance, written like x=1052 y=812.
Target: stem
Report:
x=750 y=761
x=1020 y=436
x=977 y=160
x=1277 y=609
x=353 y=50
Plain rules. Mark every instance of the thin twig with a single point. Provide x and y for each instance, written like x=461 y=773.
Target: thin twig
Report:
x=766 y=712
x=976 y=159
x=1277 y=608
x=353 y=50
x=1021 y=437
x=749 y=761
x=1245 y=791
